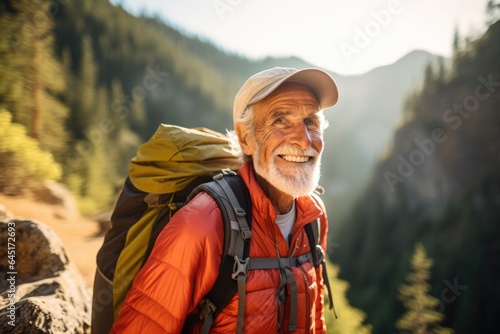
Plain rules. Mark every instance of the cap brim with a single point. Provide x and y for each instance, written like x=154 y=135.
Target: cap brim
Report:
x=318 y=81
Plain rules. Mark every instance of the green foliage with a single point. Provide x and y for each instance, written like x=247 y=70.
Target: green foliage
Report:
x=104 y=76
x=350 y=319
x=32 y=77
x=23 y=163
x=421 y=316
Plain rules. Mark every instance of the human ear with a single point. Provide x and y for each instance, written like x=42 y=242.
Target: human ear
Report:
x=246 y=139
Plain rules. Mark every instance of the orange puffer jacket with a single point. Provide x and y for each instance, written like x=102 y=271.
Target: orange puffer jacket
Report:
x=185 y=261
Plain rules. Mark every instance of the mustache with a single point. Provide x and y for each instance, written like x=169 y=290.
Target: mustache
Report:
x=287 y=149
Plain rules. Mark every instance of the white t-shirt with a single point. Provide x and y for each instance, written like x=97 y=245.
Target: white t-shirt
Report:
x=285 y=222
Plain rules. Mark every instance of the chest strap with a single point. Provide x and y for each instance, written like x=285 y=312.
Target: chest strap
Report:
x=278 y=263
x=284 y=264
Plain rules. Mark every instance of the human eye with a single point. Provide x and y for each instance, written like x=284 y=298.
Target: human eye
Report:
x=279 y=120
x=311 y=122
x=279 y=117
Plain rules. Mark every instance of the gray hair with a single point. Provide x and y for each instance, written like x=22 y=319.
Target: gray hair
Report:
x=247 y=119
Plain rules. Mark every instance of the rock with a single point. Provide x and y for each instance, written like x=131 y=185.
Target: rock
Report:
x=50 y=294
x=4 y=214
x=57 y=194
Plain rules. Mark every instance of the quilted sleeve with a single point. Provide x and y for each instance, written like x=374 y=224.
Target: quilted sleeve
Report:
x=182 y=268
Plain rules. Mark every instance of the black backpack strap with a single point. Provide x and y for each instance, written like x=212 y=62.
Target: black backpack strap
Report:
x=241 y=236
x=231 y=195
x=313 y=235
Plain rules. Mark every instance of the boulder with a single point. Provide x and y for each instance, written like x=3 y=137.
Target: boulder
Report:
x=4 y=214
x=57 y=194
x=41 y=291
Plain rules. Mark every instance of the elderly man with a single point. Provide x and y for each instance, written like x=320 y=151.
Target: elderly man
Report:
x=278 y=127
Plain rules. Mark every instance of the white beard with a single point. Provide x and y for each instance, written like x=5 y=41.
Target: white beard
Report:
x=301 y=179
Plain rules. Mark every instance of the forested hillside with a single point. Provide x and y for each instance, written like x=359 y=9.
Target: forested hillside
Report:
x=439 y=185
x=91 y=85
x=84 y=83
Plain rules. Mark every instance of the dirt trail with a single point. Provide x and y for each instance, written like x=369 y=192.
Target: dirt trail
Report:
x=79 y=236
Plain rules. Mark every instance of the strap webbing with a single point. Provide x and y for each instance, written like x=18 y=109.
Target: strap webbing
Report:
x=239 y=212
x=231 y=196
x=284 y=264
x=246 y=234
x=312 y=231
x=208 y=312
x=280 y=298
x=242 y=279
x=276 y=263
x=207 y=324
x=292 y=325
x=237 y=250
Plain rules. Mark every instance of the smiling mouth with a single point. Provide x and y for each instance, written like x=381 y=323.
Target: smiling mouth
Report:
x=295 y=158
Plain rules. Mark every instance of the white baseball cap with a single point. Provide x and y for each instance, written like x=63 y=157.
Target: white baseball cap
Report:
x=262 y=84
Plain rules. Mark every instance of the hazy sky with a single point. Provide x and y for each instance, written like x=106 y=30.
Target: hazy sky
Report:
x=347 y=37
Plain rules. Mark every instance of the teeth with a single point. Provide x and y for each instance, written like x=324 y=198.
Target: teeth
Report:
x=295 y=158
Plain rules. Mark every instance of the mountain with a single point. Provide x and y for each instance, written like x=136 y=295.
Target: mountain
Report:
x=362 y=123
x=193 y=83
x=123 y=75
x=411 y=154
x=437 y=184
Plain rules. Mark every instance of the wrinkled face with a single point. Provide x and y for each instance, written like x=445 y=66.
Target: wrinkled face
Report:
x=288 y=140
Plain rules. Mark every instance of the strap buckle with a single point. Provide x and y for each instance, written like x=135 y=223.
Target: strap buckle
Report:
x=240 y=267
x=240 y=213
x=320 y=255
x=207 y=308
x=223 y=173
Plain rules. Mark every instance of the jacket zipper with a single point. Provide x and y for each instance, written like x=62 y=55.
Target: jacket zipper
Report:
x=295 y=247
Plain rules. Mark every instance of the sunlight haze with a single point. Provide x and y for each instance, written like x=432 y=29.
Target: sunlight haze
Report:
x=347 y=37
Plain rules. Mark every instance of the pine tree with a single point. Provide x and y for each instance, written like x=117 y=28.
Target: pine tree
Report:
x=421 y=316
x=429 y=78
x=456 y=42
x=493 y=11
x=33 y=78
x=83 y=115
x=10 y=66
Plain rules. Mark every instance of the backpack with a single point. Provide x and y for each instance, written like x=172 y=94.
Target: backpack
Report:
x=171 y=168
